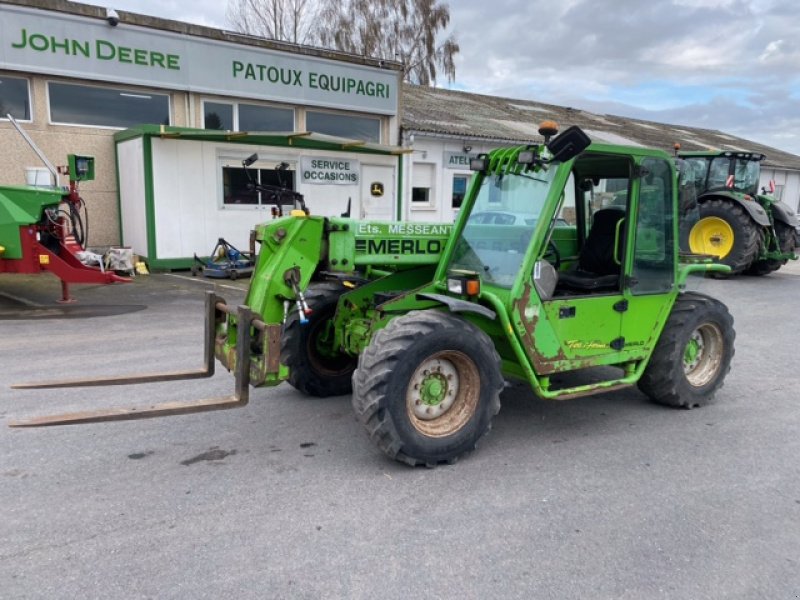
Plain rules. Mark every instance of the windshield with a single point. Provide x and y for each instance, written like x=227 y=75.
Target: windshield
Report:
x=500 y=225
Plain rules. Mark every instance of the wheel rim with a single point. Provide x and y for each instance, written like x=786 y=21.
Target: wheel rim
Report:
x=711 y=235
x=443 y=393
x=702 y=355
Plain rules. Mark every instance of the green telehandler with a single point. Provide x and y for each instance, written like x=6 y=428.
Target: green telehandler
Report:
x=423 y=323
x=751 y=232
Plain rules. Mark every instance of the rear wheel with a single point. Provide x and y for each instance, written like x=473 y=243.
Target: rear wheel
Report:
x=693 y=354
x=316 y=368
x=427 y=387
x=724 y=229
x=787 y=242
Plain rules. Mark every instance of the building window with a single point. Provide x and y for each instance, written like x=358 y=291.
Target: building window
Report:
x=218 y=115
x=422 y=184
x=459 y=189
x=238 y=186
x=229 y=116
x=420 y=194
x=105 y=107
x=253 y=117
x=15 y=98
x=348 y=126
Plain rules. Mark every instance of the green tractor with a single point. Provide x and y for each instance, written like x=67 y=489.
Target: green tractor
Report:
x=750 y=232
x=423 y=323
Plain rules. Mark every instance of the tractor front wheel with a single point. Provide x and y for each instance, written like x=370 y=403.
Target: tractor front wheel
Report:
x=316 y=368
x=724 y=229
x=693 y=354
x=427 y=387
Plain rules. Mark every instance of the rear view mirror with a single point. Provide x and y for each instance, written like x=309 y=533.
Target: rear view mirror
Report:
x=568 y=144
x=479 y=163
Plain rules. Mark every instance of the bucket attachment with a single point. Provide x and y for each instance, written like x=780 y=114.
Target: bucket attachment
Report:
x=240 y=397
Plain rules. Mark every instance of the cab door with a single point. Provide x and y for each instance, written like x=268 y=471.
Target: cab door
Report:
x=578 y=328
x=649 y=289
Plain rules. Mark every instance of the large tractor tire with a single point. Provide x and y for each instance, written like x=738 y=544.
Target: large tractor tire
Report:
x=315 y=367
x=693 y=354
x=427 y=387
x=787 y=241
x=725 y=229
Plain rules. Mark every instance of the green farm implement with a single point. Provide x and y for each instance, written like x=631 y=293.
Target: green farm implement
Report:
x=422 y=323
x=43 y=229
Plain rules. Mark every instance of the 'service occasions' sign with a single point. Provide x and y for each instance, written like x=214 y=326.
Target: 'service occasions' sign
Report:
x=338 y=171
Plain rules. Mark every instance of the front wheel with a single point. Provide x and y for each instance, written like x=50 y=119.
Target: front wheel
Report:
x=316 y=367
x=427 y=387
x=693 y=354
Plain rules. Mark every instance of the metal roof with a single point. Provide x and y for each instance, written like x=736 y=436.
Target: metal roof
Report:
x=451 y=113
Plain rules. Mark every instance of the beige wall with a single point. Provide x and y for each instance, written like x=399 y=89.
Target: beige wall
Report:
x=56 y=141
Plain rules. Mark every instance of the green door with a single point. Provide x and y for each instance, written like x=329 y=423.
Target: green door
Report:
x=583 y=327
x=616 y=323
x=650 y=282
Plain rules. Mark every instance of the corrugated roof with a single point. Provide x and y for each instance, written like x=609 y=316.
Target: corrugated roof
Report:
x=501 y=120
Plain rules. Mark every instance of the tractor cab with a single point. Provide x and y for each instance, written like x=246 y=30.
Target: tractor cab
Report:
x=726 y=171
x=592 y=270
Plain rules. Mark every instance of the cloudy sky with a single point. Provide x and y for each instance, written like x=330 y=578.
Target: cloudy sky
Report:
x=732 y=65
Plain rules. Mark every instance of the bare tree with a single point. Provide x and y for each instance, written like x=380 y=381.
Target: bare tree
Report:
x=403 y=30
x=285 y=20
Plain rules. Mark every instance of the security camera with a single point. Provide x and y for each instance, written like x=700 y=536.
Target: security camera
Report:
x=112 y=17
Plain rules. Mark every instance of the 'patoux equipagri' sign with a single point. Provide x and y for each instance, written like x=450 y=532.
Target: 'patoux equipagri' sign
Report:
x=60 y=44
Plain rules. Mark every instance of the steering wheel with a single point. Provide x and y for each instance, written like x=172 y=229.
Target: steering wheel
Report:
x=552 y=255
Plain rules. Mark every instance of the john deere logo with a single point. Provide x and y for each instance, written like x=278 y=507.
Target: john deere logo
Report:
x=376 y=189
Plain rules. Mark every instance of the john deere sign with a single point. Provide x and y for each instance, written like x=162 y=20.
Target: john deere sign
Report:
x=60 y=44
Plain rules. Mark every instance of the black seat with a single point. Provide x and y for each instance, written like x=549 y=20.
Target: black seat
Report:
x=597 y=268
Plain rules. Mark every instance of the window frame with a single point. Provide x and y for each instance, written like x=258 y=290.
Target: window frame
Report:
x=378 y=118
x=461 y=176
x=430 y=203
x=30 y=99
x=50 y=121
x=264 y=163
x=235 y=107
x=234 y=113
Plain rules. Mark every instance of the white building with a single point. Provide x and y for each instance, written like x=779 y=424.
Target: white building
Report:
x=77 y=80
x=444 y=127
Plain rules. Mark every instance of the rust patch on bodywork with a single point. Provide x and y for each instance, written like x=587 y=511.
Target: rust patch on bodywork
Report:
x=541 y=364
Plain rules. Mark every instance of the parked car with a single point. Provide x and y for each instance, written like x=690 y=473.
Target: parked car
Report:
x=498 y=217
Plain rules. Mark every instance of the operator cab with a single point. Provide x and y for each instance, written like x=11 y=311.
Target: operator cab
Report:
x=598 y=203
